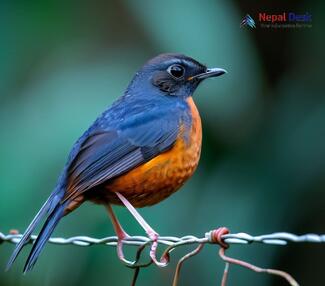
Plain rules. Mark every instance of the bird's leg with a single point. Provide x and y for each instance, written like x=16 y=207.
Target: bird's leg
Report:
x=153 y=235
x=120 y=232
x=121 y=235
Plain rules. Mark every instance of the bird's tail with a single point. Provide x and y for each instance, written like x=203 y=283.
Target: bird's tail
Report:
x=55 y=211
x=44 y=235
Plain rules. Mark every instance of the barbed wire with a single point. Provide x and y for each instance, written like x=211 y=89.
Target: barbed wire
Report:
x=219 y=236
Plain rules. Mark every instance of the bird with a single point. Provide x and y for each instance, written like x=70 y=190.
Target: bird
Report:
x=138 y=152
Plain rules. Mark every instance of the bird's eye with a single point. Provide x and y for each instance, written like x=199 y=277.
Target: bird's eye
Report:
x=176 y=71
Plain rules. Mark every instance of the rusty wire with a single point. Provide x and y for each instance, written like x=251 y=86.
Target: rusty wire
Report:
x=219 y=236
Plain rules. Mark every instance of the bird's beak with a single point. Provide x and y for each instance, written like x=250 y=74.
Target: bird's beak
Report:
x=213 y=72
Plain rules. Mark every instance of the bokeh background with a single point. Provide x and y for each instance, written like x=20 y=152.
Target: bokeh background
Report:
x=263 y=160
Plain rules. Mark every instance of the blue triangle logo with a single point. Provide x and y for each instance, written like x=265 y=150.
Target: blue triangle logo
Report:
x=248 y=21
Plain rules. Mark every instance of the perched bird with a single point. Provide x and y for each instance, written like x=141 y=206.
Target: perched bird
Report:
x=136 y=153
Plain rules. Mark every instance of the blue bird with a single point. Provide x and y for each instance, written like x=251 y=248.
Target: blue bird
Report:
x=136 y=153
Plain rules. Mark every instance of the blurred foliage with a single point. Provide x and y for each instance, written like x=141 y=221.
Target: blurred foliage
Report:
x=263 y=159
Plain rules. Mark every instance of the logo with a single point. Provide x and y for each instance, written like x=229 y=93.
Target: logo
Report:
x=282 y=20
x=248 y=21
x=285 y=20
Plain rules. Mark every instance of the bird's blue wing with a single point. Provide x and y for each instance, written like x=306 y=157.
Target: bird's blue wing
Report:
x=110 y=152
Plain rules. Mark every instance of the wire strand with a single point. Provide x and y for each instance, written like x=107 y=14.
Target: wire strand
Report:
x=277 y=238
x=220 y=236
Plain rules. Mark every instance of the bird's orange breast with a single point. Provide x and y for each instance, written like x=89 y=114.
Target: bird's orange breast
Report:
x=161 y=176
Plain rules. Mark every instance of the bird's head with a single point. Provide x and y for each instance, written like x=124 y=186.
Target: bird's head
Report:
x=174 y=75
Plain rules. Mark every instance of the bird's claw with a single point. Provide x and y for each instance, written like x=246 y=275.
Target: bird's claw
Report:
x=135 y=263
x=164 y=260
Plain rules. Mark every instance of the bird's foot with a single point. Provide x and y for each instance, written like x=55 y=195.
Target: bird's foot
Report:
x=120 y=253
x=164 y=260
x=120 y=238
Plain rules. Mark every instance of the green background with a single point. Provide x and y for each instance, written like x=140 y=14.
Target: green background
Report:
x=263 y=159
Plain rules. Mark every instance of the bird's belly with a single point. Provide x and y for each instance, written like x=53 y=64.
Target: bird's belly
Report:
x=157 y=179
